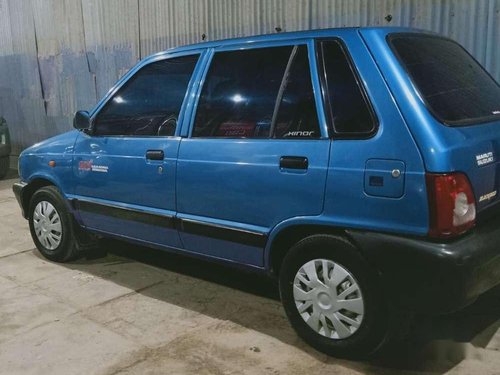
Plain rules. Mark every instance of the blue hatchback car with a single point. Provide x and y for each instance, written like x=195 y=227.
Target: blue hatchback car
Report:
x=360 y=166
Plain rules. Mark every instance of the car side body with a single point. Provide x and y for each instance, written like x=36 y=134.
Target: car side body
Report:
x=247 y=200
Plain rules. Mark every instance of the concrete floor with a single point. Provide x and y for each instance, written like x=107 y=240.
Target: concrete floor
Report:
x=142 y=311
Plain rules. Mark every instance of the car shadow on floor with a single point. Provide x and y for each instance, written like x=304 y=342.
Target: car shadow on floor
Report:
x=434 y=344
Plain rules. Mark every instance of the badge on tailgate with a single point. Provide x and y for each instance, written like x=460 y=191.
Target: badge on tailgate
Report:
x=485 y=159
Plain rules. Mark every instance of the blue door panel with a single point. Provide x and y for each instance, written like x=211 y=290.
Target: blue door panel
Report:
x=213 y=247
x=223 y=239
x=240 y=182
x=126 y=175
x=131 y=229
x=115 y=169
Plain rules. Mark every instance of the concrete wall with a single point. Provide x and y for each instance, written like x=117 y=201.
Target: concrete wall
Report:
x=58 y=56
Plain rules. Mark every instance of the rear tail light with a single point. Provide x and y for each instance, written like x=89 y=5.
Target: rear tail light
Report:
x=452 y=205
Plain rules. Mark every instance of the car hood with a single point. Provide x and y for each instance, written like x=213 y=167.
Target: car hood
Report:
x=62 y=143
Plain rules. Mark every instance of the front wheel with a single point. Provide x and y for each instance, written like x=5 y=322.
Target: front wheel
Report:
x=51 y=225
x=331 y=297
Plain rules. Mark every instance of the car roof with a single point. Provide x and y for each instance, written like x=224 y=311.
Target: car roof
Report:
x=281 y=36
x=305 y=34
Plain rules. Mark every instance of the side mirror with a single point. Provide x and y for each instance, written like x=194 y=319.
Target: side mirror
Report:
x=81 y=121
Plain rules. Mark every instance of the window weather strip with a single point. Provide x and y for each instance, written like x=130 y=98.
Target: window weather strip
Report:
x=283 y=85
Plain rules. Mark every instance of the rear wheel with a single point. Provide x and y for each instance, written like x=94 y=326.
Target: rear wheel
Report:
x=331 y=297
x=51 y=225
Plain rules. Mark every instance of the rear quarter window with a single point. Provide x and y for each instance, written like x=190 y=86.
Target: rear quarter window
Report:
x=346 y=103
x=455 y=87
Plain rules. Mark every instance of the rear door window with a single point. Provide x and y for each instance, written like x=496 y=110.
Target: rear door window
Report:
x=239 y=94
x=258 y=93
x=454 y=86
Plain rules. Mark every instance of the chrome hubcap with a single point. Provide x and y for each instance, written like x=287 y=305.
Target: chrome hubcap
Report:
x=328 y=298
x=47 y=225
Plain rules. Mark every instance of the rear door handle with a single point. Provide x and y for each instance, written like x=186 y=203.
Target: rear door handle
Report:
x=154 y=155
x=294 y=162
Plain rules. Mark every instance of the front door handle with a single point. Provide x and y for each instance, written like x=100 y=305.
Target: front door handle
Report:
x=154 y=155
x=294 y=162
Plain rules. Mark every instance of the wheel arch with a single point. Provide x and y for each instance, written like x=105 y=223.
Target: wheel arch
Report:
x=284 y=237
x=33 y=185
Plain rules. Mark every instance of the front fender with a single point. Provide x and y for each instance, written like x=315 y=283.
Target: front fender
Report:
x=52 y=179
x=55 y=168
x=24 y=190
x=34 y=161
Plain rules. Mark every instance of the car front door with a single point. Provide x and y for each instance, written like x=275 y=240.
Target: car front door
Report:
x=256 y=152
x=125 y=167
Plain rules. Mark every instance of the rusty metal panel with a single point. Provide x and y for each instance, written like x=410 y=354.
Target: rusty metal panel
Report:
x=112 y=39
x=67 y=82
x=57 y=56
x=474 y=24
x=21 y=102
x=492 y=58
x=169 y=23
x=6 y=47
x=228 y=18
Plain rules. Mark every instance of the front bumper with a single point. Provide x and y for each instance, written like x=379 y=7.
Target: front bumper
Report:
x=436 y=278
x=18 y=189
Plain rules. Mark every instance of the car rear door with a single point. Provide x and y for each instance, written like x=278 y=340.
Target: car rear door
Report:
x=125 y=167
x=256 y=151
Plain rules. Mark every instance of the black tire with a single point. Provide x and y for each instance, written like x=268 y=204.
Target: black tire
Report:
x=67 y=249
x=4 y=166
x=374 y=324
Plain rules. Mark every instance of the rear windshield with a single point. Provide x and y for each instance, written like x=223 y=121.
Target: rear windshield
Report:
x=456 y=89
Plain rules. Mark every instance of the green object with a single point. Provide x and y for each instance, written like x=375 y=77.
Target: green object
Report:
x=4 y=138
x=4 y=147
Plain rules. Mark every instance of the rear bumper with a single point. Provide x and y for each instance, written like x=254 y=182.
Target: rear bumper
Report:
x=18 y=189
x=436 y=278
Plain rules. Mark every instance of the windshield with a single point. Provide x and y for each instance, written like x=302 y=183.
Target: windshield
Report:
x=456 y=89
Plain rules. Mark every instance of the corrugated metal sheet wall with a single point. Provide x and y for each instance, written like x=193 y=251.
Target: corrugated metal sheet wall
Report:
x=57 y=56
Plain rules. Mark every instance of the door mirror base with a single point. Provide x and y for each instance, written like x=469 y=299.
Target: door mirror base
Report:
x=81 y=121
